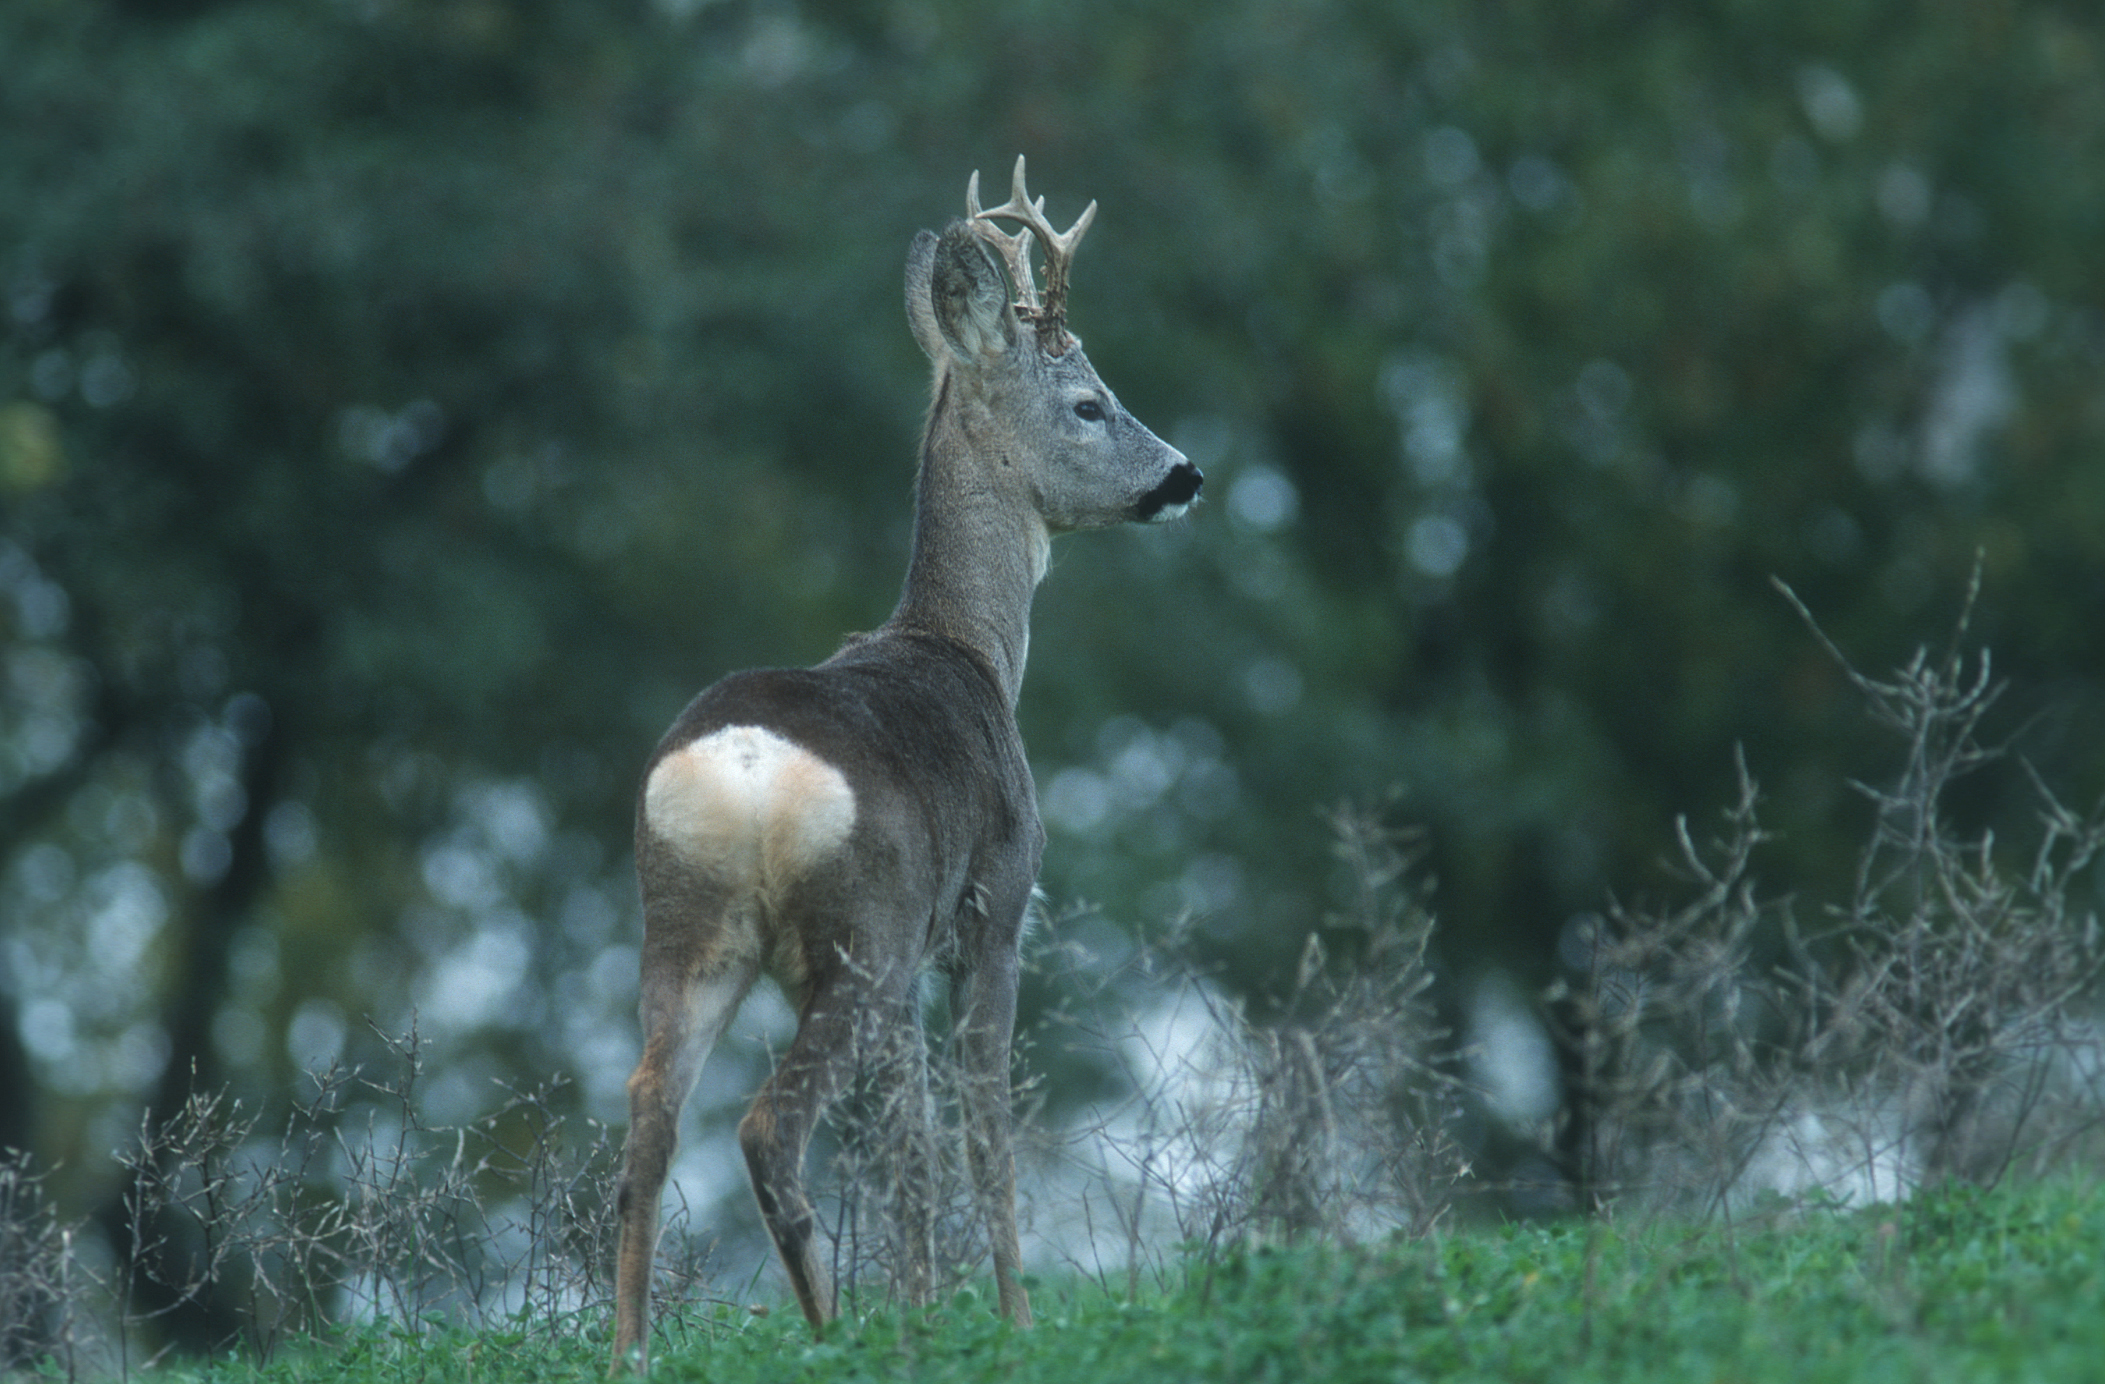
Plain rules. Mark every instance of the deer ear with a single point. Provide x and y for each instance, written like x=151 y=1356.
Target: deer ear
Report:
x=965 y=308
x=920 y=307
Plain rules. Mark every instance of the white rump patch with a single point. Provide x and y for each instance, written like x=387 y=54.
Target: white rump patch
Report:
x=747 y=804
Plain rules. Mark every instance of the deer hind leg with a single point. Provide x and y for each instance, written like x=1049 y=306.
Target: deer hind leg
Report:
x=683 y=1018
x=984 y=999
x=777 y=1130
x=852 y=1019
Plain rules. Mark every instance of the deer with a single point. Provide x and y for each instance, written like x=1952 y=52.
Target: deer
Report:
x=847 y=828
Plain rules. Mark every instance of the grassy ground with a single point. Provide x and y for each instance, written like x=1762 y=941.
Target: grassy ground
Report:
x=1958 y=1285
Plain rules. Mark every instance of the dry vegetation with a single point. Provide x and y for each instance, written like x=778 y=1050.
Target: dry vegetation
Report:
x=1940 y=1023
x=351 y=1209
x=1937 y=1025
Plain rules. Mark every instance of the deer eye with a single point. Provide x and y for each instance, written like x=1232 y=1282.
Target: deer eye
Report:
x=1089 y=411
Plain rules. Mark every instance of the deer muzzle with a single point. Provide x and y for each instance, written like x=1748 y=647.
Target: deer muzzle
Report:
x=1173 y=496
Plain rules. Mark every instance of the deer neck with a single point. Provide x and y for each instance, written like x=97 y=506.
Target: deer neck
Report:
x=980 y=549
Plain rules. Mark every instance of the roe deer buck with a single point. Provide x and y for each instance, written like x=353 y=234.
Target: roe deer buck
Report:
x=841 y=827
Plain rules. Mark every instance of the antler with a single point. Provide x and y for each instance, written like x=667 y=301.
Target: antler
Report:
x=1015 y=249
x=1051 y=314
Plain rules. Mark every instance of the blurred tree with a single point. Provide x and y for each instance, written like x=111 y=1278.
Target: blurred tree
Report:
x=405 y=405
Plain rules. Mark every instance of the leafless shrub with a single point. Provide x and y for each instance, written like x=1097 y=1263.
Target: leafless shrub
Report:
x=353 y=1210
x=1966 y=985
x=35 y=1263
x=891 y=1178
x=1356 y=1097
x=1939 y=1024
x=891 y=1191
x=1676 y=1028
x=1336 y=1118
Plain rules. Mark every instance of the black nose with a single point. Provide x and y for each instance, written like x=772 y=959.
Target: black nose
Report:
x=1178 y=489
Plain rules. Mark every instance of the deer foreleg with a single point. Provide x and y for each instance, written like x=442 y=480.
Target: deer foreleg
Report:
x=985 y=1000
x=904 y=1136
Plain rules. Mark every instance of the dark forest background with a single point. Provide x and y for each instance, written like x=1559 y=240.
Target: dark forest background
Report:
x=405 y=405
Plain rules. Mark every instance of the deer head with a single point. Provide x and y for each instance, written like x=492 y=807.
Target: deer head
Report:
x=1014 y=387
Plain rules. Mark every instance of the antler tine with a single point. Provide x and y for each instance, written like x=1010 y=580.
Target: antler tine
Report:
x=1015 y=249
x=1059 y=249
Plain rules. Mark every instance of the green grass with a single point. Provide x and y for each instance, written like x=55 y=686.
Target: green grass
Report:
x=1958 y=1285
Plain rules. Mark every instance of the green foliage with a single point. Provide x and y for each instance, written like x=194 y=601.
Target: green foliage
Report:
x=1956 y=1285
